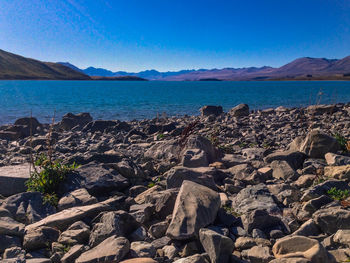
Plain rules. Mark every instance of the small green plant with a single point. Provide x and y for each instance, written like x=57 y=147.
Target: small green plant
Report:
x=153 y=183
x=243 y=145
x=160 y=136
x=337 y=194
x=226 y=148
x=231 y=211
x=342 y=141
x=47 y=176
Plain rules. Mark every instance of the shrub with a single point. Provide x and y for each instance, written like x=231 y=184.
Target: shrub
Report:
x=342 y=141
x=337 y=194
x=47 y=176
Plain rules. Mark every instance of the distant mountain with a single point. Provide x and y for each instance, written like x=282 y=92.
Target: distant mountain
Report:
x=13 y=66
x=17 y=67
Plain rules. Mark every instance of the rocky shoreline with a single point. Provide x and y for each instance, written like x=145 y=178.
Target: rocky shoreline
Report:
x=243 y=186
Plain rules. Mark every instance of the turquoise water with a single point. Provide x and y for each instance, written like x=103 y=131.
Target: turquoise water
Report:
x=138 y=100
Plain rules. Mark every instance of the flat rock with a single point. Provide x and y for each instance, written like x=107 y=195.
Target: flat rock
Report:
x=196 y=206
x=13 y=178
x=112 y=249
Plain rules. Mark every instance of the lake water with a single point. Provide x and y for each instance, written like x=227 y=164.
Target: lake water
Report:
x=126 y=100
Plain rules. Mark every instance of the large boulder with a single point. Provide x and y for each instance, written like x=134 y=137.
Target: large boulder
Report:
x=27 y=208
x=299 y=246
x=176 y=175
x=294 y=158
x=117 y=223
x=254 y=197
x=260 y=219
x=8 y=226
x=240 y=110
x=211 y=110
x=13 y=178
x=196 y=207
x=218 y=247
x=97 y=179
x=112 y=249
x=317 y=144
x=71 y=120
x=41 y=237
x=330 y=220
x=65 y=218
x=79 y=197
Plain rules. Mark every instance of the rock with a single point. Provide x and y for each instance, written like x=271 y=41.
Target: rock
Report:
x=342 y=236
x=142 y=249
x=139 y=260
x=41 y=237
x=142 y=213
x=129 y=169
x=211 y=110
x=340 y=255
x=117 y=223
x=315 y=204
x=112 y=249
x=170 y=251
x=99 y=126
x=321 y=109
x=28 y=121
x=218 y=247
x=282 y=170
x=161 y=242
x=159 y=229
x=78 y=233
x=305 y=180
x=8 y=226
x=299 y=246
x=71 y=120
x=13 y=178
x=8 y=242
x=79 y=197
x=258 y=254
x=330 y=220
x=260 y=219
x=27 y=207
x=163 y=201
x=14 y=252
x=240 y=110
x=290 y=260
x=140 y=234
x=141 y=198
x=317 y=144
x=323 y=188
x=338 y=172
x=254 y=197
x=72 y=254
x=193 y=158
x=176 y=175
x=294 y=158
x=196 y=207
x=307 y=229
x=97 y=179
x=336 y=159
x=193 y=259
x=65 y=218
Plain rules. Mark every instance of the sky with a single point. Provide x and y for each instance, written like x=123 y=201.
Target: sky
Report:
x=135 y=35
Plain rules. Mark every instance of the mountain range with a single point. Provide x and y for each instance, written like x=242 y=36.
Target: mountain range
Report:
x=300 y=69
x=13 y=66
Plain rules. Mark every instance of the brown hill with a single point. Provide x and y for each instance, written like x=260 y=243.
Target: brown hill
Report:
x=13 y=66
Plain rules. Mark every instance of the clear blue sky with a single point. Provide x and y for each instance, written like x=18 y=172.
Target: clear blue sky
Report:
x=135 y=35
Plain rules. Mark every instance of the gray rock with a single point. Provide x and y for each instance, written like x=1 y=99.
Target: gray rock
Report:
x=71 y=120
x=176 y=175
x=78 y=233
x=254 y=197
x=79 y=197
x=196 y=207
x=317 y=144
x=14 y=252
x=294 y=158
x=8 y=226
x=159 y=229
x=163 y=201
x=282 y=170
x=218 y=247
x=65 y=218
x=27 y=207
x=117 y=223
x=97 y=179
x=142 y=213
x=8 y=242
x=308 y=229
x=330 y=220
x=323 y=188
x=72 y=254
x=41 y=237
x=112 y=249
x=211 y=110
x=13 y=178
x=240 y=110
x=142 y=249
x=336 y=159
x=193 y=158
x=260 y=219
x=258 y=254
